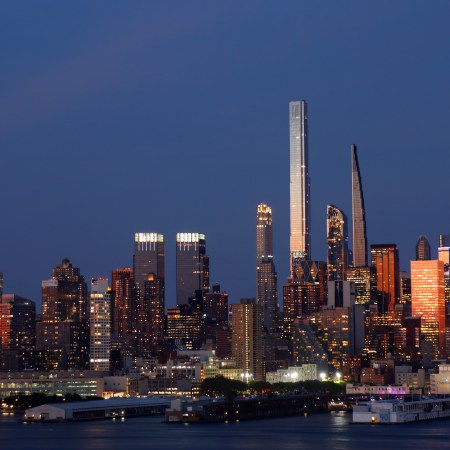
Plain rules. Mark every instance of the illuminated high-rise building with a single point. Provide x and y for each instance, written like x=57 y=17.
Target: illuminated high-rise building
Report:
x=428 y=302
x=423 y=251
x=300 y=241
x=358 y=214
x=63 y=333
x=299 y=299
x=266 y=276
x=385 y=259
x=192 y=266
x=364 y=279
x=247 y=342
x=337 y=239
x=215 y=307
x=17 y=332
x=100 y=325
x=148 y=262
x=124 y=309
x=444 y=256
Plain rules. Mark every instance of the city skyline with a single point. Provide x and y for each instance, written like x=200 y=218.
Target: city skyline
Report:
x=92 y=153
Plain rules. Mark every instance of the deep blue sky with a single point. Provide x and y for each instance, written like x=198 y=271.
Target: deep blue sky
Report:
x=124 y=116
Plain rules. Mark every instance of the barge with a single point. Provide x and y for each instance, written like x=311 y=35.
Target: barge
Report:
x=400 y=411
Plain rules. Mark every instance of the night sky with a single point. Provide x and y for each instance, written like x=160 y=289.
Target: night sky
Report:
x=124 y=116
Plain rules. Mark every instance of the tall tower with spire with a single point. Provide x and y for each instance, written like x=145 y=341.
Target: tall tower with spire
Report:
x=358 y=214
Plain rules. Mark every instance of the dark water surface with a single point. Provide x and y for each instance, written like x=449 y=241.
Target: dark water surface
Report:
x=318 y=432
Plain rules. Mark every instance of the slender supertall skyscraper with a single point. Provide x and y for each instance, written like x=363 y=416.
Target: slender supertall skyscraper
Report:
x=337 y=239
x=266 y=276
x=358 y=214
x=300 y=242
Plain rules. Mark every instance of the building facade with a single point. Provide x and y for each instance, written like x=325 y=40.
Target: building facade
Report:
x=192 y=266
x=149 y=280
x=62 y=337
x=266 y=275
x=337 y=243
x=428 y=302
x=100 y=325
x=358 y=214
x=247 y=344
x=423 y=250
x=385 y=260
x=300 y=215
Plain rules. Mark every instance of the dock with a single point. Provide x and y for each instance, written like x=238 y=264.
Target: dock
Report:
x=97 y=409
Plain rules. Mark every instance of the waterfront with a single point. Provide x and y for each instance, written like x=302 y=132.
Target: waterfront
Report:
x=324 y=431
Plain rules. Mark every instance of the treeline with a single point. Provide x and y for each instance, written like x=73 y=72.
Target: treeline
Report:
x=224 y=387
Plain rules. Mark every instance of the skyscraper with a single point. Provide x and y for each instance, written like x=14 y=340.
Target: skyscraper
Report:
x=247 y=347
x=192 y=266
x=423 y=251
x=17 y=332
x=300 y=241
x=385 y=259
x=149 y=279
x=444 y=240
x=358 y=214
x=428 y=302
x=124 y=309
x=63 y=333
x=100 y=325
x=266 y=276
x=337 y=239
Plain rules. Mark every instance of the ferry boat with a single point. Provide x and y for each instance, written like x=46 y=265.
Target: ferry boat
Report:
x=400 y=411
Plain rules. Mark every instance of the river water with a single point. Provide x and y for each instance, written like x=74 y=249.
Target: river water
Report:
x=316 y=431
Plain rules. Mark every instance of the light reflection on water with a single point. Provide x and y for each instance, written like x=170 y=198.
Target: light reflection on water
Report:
x=315 y=431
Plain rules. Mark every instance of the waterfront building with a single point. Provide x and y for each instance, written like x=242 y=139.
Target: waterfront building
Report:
x=192 y=266
x=358 y=214
x=247 y=342
x=62 y=337
x=385 y=259
x=149 y=279
x=337 y=239
x=84 y=383
x=423 y=251
x=440 y=382
x=100 y=325
x=17 y=332
x=428 y=302
x=266 y=275
x=300 y=215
